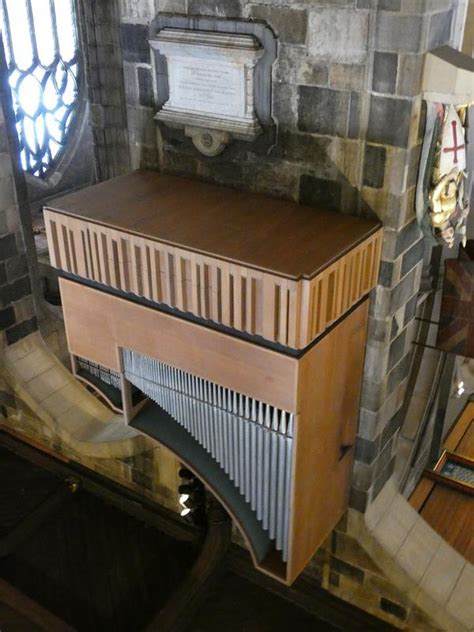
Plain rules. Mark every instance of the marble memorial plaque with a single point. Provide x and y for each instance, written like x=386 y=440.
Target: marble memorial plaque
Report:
x=210 y=80
x=208 y=87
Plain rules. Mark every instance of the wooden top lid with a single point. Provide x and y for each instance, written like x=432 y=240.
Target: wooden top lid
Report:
x=254 y=230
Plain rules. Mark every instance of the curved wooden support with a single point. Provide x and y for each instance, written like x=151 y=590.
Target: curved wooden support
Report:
x=158 y=424
x=177 y=615
x=94 y=384
x=40 y=515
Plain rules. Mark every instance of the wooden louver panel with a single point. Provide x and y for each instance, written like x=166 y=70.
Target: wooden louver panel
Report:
x=281 y=310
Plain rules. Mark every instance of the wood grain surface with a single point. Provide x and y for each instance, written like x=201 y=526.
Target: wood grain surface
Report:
x=443 y=502
x=267 y=233
x=329 y=383
x=97 y=324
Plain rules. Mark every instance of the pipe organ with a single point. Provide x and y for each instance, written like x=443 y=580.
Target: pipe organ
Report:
x=231 y=327
x=252 y=441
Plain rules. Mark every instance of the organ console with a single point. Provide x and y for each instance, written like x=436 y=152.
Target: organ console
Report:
x=231 y=328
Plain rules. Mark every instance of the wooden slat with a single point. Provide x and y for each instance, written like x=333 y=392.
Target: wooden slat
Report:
x=322 y=305
x=166 y=280
x=64 y=238
x=451 y=514
x=234 y=295
x=135 y=267
x=268 y=303
x=178 y=282
x=459 y=430
x=78 y=252
x=34 y=616
x=214 y=293
x=237 y=280
x=445 y=503
x=249 y=304
x=105 y=258
x=293 y=316
x=304 y=313
x=356 y=268
x=156 y=277
x=224 y=299
x=59 y=236
x=114 y=261
x=90 y=238
x=124 y=262
x=466 y=445
x=421 y=493
x=53 y=254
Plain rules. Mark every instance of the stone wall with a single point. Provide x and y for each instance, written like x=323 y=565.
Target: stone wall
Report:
x=152 y=472
x=102 y=51
x=348 y=123
x=343 y=567
x=348 y=120
x=17 y=309
x=348 y=113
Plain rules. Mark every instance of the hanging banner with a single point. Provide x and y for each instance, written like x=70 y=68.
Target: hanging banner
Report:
x=442 y=206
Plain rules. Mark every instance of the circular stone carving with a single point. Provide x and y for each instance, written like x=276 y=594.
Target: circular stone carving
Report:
x=209 y=142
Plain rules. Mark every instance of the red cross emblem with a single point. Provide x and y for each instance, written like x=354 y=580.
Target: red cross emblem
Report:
x=455 y=148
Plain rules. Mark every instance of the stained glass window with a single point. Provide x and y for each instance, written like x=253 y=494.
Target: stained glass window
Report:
x=41 y=47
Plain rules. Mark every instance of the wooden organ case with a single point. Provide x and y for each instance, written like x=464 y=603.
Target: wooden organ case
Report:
x=242 y=319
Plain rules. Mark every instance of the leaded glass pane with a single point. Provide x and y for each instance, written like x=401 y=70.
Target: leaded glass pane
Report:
x=19 y=43
x=43 y=23
x=41 y=46
x=67 y=32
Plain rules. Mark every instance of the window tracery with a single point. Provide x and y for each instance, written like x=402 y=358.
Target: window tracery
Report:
x=41 y=48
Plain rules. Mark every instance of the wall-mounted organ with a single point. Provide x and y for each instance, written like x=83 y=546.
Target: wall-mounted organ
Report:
x=243 y=320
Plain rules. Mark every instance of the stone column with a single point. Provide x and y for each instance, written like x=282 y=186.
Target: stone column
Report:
x=401 y=33
x=99 y=23
x=18 y=267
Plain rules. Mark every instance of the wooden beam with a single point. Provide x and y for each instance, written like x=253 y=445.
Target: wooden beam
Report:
x=31 y=610
x=34 y=520
x=120 y=497
x=180 y=609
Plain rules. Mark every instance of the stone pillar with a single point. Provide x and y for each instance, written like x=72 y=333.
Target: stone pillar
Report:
x=17 y=255
x=348 y=117
x=401 y=33
x=99 y=23
x=135 y=18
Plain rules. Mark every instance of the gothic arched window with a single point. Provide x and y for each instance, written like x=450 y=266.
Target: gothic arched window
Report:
x=41 y=48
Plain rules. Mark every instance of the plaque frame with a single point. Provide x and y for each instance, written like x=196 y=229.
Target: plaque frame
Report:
x=231 y=55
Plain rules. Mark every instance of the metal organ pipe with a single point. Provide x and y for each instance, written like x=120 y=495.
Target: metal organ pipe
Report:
x=251 y=440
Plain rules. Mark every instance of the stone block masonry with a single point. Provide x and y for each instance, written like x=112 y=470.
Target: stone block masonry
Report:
x=338 y=34
x=17 y=309
x=346 y=105
x=104 y=70
x=343 y=567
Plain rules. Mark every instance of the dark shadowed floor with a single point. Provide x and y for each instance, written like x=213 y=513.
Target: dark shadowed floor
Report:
x=238 y=605
x=97 y=568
